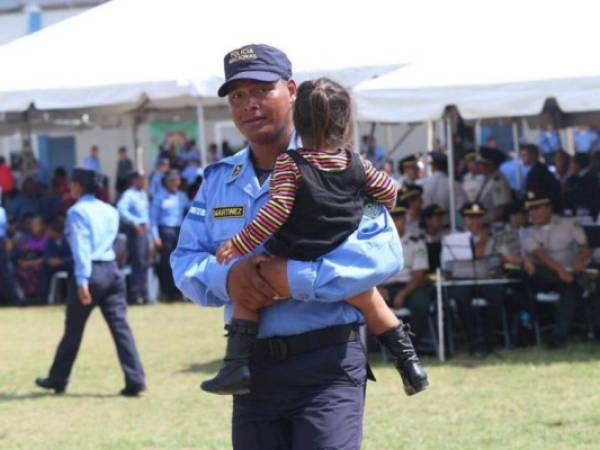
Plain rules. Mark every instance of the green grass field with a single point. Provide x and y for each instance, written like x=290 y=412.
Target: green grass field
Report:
x=529 y=399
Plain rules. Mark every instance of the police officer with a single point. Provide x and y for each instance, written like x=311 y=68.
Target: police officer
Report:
x=91 y=229
x=436 y=189
x=432 y=224
x=494 y=192
x=411 y=194
x=309 y=370
x=134 y=211
x=483 y=247
x=409 y=169
x=409 y=287
x=166 y=215
x=558 y=252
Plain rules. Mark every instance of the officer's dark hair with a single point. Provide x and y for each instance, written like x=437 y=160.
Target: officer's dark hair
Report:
x=323 y=113
x=531 y=147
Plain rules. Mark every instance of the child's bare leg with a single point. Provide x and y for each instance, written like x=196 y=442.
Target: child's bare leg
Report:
x=378 y=316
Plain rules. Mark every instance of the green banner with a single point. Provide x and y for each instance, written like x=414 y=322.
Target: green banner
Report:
x=170 y=135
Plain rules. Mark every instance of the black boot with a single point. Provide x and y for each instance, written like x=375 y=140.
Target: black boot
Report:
x=234 y=376
x=397 y=341
x=47 y=383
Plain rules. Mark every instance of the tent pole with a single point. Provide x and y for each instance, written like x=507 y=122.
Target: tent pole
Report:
x=201 y=138
x=450 y=154
x=430 y=135
x=515 y=138
x=388 y=136
x=570 y=141
x=477 y=135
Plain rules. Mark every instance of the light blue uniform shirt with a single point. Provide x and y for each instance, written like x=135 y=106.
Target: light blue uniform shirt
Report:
x=232 y=192
x=191 y=172
x=585 y=140
x=548 y=141
x=189 y=155
x=3 y=224
x=516 y=178
x=133 y=207
x=156 y=183
x=91 y=228
x=167 y=210
x=92 y=163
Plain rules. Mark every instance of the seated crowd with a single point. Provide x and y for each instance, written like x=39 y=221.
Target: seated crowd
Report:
x=32 y=216
x=521 y=260
x=519 y=219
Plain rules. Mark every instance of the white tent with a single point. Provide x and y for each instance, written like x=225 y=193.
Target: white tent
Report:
x=165 y=53
x=481 y=88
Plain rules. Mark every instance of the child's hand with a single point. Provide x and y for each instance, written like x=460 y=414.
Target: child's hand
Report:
x=226 y=252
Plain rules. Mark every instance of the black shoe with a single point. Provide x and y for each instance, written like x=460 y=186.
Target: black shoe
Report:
x=234 y=376
x=47 y=383
x=397 y=341
x=132 y=390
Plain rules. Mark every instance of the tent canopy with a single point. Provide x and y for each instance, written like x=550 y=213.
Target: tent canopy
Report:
x=167 y=52
x=481 y=89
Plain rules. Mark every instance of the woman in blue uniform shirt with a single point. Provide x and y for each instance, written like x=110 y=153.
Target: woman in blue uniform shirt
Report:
x=91 y=229
x=166 y=214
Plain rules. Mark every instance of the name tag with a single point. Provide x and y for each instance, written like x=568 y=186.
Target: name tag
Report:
x=227 y=212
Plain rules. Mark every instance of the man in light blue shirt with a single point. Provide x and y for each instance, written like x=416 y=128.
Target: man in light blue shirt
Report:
x=188 y=153
x=156 y=178
x=166 y=215
x=91 y=229
x=310 y=370
x=134 y=211
x=92 y=161
x=585 y=139
x=515 y=173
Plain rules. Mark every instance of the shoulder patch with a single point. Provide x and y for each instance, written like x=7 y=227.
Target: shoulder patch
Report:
x=372 y=209
x=197 y=211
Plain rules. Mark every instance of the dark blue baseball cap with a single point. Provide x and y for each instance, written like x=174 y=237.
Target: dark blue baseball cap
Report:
x=255 y=62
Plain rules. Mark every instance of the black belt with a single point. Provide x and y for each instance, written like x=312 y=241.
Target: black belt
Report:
x=281 y=348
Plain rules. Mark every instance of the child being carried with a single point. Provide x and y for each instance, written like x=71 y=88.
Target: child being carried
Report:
x=316 y=198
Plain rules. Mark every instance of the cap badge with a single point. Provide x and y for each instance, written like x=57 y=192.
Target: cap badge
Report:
x=241 y=54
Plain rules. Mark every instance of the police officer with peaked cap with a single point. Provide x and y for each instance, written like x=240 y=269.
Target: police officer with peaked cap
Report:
x=411 y=194
x=91 y=229
x=134 y=210
x=409 y=169
x=309 y=369
x=166 y=215
x=559 y=252
x=409 y=288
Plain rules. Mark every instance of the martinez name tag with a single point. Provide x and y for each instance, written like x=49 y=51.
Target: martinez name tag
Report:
x=227 y=212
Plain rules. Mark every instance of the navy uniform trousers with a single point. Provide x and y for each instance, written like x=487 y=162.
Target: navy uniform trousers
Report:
x=139 y=254
x=168 y=236
x=107 y=287
x=309 y=401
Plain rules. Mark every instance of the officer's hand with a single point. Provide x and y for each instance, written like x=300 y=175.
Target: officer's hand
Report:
x=528 y=266
x=247 y=287
x=565 y=276
x=158 y=242
x=274 y=271
x=84 y=295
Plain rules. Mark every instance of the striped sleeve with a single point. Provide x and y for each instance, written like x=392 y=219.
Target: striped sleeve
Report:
x=282 y=192
x=380 y=186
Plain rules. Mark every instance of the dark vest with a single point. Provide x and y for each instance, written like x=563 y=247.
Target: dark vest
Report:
x=327 y=209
